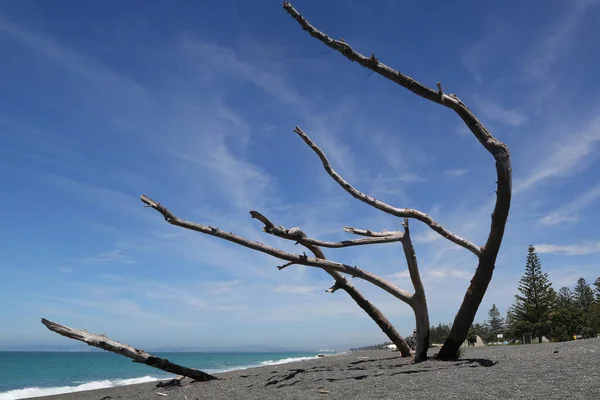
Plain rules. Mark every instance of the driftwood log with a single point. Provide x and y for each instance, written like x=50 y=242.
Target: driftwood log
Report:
x=137 y=355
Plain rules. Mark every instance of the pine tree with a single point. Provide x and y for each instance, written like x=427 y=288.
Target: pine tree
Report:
x=583 y=295
x=496 y=322
x=597 y=289
x=531 y=310
x=564 y=297
x=565 y=318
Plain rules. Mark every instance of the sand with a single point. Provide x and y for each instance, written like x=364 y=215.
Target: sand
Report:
x=568 y=370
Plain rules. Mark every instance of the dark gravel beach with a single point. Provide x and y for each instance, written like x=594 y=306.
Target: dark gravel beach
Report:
x=539 y=371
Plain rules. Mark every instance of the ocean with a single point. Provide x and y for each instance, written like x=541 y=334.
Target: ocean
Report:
x=25 y=374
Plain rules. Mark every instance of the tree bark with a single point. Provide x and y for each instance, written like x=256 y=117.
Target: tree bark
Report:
x=419 y=299
x=136 y=355
x=422 y=322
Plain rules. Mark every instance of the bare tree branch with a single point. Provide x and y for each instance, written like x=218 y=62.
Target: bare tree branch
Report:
x=334 y=288
x=300 y=237
x=283 y=255
x=137 y=355
x=493 y=145
x=367 y=232
x=419 y=299
x=280 y=267
x=411 y=261
x=398 y=212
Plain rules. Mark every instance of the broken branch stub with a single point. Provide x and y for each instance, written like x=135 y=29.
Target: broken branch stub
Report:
x=137 y=355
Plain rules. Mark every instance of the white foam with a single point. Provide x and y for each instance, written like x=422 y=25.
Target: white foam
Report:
x=287 y=360
x=37 y=391
x=261 y=364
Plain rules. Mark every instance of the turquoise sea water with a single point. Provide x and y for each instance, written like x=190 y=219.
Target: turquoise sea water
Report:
x=30 y=374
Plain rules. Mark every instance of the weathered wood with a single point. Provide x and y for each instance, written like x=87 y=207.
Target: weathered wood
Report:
x=419 y=304
x=137 y=355
x=293 y=234
x=171 y=382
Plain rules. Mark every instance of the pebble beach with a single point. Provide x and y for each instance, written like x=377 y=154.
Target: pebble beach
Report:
x=569 y=370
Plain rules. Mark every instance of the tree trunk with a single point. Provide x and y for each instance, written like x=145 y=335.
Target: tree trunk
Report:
x=465 y=316
x=381 y=321
x=487 y=260
x=423 y=327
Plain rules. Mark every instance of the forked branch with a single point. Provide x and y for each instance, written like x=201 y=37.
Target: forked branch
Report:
x=136 y=355
x=380 y=205
x=299 y=236
x=301 y=259
x=370 y=233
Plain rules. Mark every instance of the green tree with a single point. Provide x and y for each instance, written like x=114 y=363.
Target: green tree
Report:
x=565 y=318
x=531 y=310
x=597 y=289
x=438 y=334
x=564 y=298
x=594 y=318
x=583 y=295
x=495 y=322
x=480 y=329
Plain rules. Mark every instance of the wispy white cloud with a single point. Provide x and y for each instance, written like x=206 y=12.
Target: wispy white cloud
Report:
x=571 y=152
x=448 y=273
x=572 y=250
x=456 y=172
x=119 y=306
x=493 y=111
x=297 y=289
x=116 y=256
x=553 y=44
x=555 y=218
x=428 y=236
x=221 y=58
x=568 y=212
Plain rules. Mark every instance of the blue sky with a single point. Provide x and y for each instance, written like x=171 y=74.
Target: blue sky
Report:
x=194 y=103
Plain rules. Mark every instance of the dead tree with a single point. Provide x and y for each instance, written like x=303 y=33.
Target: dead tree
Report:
x=137 y=355
x=417 y=301
x=486 y=254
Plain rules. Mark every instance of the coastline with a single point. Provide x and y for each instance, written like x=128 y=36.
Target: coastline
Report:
x=123 y=372
x=538 y=371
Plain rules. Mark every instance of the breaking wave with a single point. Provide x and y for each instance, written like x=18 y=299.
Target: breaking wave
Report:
x=37 y=391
